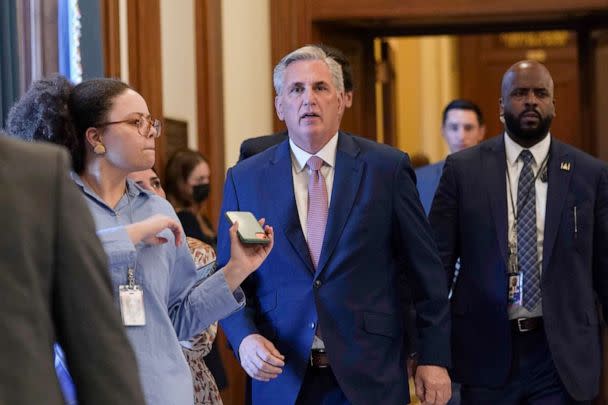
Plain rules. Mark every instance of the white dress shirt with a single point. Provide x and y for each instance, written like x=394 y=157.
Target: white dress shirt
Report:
x=299 y=157
x=514 y=166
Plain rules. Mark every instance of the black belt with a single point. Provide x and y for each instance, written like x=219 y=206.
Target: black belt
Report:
x=523 y=325
x=318 y=358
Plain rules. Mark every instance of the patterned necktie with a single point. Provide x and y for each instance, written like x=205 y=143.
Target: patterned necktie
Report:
x=317 y=209
x=526 y=233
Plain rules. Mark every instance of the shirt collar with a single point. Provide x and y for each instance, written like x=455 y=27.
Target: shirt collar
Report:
x=327 y=153
x=133 y=189
x=539 y=151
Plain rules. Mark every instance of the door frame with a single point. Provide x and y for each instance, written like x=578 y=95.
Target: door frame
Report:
x=298 y=22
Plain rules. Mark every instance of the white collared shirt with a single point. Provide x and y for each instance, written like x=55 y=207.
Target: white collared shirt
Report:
x=514 y=166
x=299 y=157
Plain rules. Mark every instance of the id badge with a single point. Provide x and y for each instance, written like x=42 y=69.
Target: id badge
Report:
x=132 y=305
x=515 y=288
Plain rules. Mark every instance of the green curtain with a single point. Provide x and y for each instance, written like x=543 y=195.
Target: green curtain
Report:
x=9 y=58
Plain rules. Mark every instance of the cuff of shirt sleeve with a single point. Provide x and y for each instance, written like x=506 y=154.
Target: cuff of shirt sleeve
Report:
x=215 y=298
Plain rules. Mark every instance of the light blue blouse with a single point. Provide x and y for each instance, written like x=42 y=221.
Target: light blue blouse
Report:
x=177 y=305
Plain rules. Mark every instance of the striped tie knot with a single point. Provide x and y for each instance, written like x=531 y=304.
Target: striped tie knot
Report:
x=315 y=163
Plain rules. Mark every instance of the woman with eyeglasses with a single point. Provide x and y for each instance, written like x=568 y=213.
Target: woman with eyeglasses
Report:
x=108 y=130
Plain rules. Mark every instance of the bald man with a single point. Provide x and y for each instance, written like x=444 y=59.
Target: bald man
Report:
x=532 y=248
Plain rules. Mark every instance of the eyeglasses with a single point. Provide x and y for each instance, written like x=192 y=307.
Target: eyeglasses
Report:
x=142 y=123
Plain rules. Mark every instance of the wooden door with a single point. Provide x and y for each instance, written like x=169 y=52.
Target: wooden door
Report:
x=600 y=96
x=360 y=119
x=485 y=58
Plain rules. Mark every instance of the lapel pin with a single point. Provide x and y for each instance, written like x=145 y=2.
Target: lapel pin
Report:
x=565 y=166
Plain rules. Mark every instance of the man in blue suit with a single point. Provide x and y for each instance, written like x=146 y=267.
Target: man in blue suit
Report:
x=324 y=319
x=528 y=217
x=462 y=127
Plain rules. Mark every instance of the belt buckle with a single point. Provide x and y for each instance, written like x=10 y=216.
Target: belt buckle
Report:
x=520 y=326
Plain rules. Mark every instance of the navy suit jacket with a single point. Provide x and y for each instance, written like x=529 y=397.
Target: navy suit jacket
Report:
x=427 y=181
x=376 y=233
x=469 y=218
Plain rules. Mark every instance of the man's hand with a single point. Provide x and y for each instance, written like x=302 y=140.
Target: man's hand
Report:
x=260 y=359
x=433 y=385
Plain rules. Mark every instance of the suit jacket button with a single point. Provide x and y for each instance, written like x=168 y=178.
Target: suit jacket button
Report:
x=318 y=283
x=312 y=325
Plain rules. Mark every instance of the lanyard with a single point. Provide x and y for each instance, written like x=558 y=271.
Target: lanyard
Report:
x=131 y=270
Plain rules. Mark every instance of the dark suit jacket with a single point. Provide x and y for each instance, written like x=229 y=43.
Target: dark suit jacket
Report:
x=469 y=217
x=376 y=231
x=427 y=181
x=54 y=286
x=253 y=146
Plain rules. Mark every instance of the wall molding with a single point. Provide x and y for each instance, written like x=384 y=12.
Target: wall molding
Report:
x=210 y=98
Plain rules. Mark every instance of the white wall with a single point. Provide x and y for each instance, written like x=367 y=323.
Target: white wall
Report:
x=248 y=96
x=179 y=64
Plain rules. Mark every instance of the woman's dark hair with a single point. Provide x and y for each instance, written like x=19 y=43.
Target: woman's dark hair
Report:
x=179 y=167
x=54 y=110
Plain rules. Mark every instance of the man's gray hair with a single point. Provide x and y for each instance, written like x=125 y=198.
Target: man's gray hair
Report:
x=308 y=52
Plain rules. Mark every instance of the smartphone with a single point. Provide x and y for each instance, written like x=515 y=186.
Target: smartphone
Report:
x=250 y=230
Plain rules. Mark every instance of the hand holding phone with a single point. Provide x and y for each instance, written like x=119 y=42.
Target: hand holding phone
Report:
x=250 y=245
x=250 y=230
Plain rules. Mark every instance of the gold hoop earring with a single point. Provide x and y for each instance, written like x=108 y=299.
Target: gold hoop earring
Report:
x=99 y=149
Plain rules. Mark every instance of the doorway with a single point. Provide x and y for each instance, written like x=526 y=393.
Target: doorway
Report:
x=426 y=72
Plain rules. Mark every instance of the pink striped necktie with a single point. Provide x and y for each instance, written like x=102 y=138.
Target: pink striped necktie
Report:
x=317 y=209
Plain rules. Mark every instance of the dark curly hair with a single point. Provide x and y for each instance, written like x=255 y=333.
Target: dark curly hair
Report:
x=178 y=169
x=56 y=111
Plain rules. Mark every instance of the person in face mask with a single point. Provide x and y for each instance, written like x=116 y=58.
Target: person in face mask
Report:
x=200 y=352
x=187 y=187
